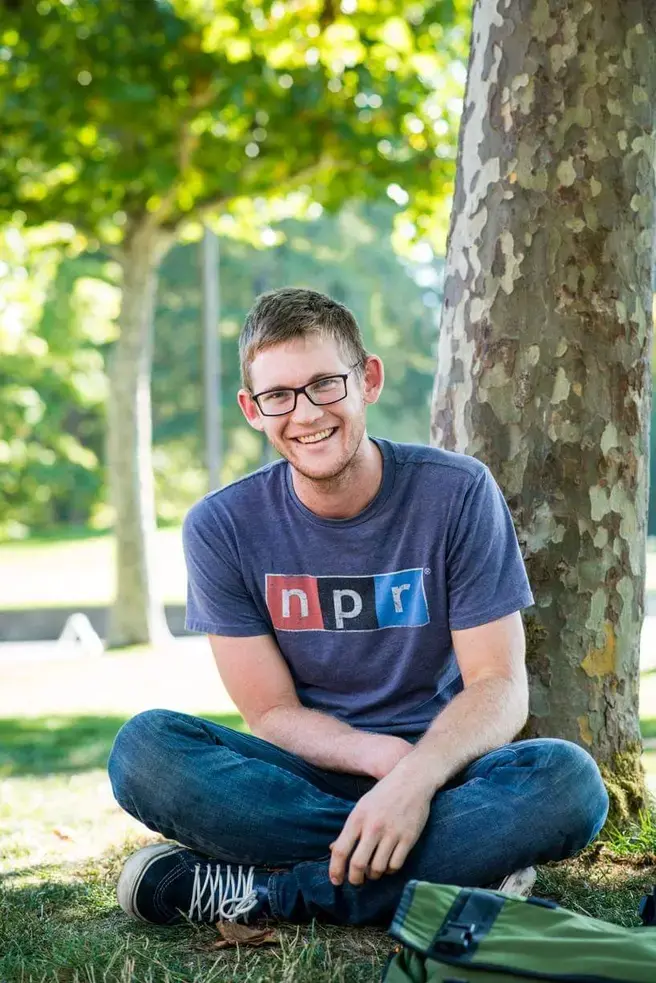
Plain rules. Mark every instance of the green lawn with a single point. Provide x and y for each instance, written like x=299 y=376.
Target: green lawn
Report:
x=63 y=840
x=80 y=571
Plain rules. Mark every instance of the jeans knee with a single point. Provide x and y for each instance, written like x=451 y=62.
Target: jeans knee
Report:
x=579 y=792
x=137 y=753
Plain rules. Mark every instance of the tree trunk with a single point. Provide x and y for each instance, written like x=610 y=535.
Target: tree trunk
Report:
x=138 y=614
x=544 y=353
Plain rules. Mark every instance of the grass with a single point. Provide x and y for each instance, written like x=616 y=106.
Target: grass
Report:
x=63 y=841
x=80 y=570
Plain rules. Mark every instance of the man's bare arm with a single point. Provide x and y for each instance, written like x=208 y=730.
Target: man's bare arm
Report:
x=260 y=685
x=387 y=822
x=491 y=709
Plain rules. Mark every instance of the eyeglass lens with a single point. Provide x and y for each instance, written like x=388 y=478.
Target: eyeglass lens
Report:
x=323 y=391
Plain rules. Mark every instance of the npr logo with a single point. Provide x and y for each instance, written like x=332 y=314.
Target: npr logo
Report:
x=388 y=600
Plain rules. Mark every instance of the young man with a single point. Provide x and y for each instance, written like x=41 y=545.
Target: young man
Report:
x=362 y=600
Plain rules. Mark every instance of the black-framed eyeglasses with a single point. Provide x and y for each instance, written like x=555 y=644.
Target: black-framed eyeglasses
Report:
x=330 y=389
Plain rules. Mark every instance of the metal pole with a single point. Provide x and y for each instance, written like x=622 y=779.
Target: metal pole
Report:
x=212 y=356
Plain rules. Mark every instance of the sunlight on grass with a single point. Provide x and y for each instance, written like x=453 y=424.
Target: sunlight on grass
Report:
x=63 y=838
x=78 y=572
x=57 y=805
x=181 y=675
x=637 y=838
x=59 y=821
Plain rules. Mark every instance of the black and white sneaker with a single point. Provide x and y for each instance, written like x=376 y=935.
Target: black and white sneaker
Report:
x=166 y=883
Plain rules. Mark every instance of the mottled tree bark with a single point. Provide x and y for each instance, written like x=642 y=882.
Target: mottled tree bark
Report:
x=138 y=614
x=544 y=353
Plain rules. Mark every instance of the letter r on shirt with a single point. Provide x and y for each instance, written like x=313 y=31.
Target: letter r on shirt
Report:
x=396 y=597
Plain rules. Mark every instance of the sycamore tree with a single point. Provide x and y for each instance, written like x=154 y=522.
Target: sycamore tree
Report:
x=126 y=122
x=544 y=354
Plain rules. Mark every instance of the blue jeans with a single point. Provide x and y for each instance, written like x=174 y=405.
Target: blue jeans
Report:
x=239 y=799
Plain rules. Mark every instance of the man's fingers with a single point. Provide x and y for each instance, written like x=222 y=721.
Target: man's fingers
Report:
x=381 y=858
x=341 y=850
x=398 y=857
x=361 y=858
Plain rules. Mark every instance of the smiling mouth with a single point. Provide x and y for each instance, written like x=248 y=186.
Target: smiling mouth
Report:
x=316 y=438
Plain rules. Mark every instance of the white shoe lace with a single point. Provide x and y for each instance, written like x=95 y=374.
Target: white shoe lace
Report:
x=231 y=896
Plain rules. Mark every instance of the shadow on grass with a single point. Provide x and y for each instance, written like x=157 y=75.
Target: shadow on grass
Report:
x=66 y=744
x=67 y=925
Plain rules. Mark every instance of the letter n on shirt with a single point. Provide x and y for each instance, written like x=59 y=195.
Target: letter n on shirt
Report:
x=294 y=602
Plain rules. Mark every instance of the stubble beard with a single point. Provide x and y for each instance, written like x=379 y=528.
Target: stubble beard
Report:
x=339 y=475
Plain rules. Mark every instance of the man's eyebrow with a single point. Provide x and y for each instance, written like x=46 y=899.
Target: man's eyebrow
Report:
x=313 y=378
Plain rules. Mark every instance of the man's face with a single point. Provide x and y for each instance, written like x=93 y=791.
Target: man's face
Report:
x=318 y=441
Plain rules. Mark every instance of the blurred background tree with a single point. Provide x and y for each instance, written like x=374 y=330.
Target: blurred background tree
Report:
x=51 y=394
x=66 y=129
x=128 y=122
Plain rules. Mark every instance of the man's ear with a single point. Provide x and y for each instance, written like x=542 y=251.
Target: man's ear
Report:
x=250 y=410
x=374 y=378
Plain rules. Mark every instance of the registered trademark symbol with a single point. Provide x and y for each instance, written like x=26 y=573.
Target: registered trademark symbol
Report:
x=427 y=570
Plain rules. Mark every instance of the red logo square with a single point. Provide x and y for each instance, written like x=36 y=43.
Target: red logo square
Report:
x=293 y=602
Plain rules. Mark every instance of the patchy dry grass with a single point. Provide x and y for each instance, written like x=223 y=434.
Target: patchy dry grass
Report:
x=63 y=840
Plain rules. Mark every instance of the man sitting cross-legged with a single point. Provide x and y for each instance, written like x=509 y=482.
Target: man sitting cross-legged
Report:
x=362 y=602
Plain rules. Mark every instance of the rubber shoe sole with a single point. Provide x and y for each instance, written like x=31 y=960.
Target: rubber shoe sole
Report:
x=519 y=883
x=133 y=873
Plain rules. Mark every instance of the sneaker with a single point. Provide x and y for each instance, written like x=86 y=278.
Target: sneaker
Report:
x=165 y=883
x=520 y=883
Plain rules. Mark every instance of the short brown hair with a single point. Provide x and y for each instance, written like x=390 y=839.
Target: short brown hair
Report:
x=292 y=312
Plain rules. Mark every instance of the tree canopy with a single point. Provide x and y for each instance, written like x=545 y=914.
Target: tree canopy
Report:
x=116 y=110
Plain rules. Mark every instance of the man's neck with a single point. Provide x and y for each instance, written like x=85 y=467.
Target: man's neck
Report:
x=350 y=492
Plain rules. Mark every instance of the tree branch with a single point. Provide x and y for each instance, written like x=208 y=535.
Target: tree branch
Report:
x=187 y=145
x=206 y=206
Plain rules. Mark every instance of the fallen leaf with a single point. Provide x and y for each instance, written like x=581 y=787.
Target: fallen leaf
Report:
x=233 y=934
x=62 y=833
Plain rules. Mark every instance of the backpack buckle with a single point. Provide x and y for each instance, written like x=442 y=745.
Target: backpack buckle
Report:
x=455 y=936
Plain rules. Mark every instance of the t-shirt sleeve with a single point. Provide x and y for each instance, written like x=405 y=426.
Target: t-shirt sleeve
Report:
x=486 y=576
x=218 y=601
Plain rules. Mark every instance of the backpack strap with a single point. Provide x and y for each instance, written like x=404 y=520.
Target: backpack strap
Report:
x=467 y=922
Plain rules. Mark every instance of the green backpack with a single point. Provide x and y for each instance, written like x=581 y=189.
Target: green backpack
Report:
x=450 y=934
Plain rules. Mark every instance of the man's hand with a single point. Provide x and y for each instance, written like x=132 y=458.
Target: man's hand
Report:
x=382 y=828
x=384 y=753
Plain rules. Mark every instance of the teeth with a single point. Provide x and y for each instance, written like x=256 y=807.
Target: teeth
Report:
x=315 y=437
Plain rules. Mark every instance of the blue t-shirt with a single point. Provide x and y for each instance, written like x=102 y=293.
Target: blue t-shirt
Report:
x=361 y=608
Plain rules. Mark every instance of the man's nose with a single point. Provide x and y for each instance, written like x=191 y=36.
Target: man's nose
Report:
x=306 y=411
